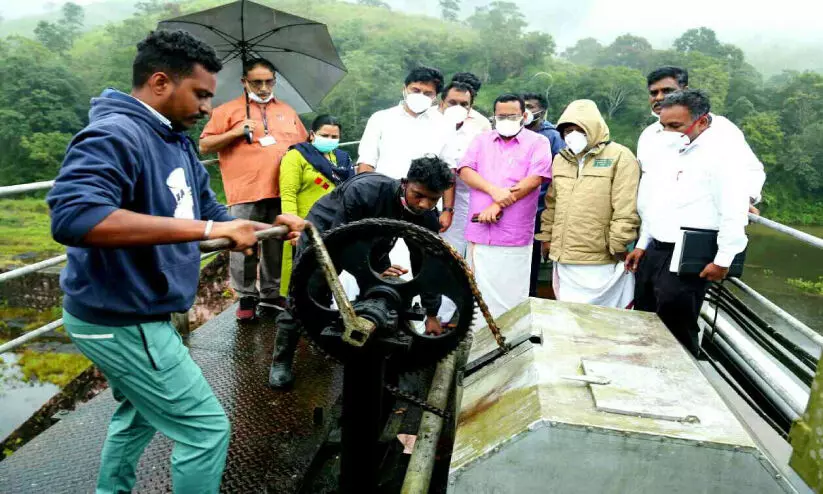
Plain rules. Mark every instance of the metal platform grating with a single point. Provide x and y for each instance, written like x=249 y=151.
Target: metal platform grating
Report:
x=274 y=437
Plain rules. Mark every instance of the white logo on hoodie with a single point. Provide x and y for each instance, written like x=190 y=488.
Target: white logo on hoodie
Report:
x=181 y=192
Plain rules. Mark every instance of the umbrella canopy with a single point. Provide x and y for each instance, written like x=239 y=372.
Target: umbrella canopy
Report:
x=308 y=65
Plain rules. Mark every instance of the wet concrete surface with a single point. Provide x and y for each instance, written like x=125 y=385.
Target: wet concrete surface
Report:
x=275 y=435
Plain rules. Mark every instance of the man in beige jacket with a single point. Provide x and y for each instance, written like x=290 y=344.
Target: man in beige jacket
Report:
x=591 y=211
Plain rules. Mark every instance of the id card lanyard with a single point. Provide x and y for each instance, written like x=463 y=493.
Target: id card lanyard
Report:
x=267 y=139
x=265 y=118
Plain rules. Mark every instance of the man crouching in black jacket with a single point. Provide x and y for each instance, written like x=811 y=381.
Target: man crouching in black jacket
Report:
x=371 y=195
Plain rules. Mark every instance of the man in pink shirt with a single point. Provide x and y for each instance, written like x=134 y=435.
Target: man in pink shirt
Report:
x=504 y=168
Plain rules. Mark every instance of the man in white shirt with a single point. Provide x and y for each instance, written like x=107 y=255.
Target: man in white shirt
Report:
x=412 y=129
x=700 y=186
x=475 y=117
x=651 y=147
x=396 y=136
x=456 y=104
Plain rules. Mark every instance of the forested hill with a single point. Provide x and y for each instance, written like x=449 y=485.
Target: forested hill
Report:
x=46 y=81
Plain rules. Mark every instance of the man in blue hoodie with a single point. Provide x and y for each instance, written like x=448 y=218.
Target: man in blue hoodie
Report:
x=537 y=105
x=131 y=202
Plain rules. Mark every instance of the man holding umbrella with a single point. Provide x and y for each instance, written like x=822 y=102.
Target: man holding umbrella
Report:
x=250 y=135
x=252 y=40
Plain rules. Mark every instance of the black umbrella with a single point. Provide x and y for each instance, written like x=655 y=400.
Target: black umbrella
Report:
x=308 y=65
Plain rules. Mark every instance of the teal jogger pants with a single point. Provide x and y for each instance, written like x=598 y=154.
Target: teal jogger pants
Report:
x=159 y=388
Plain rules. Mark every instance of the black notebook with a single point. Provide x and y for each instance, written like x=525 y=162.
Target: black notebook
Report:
x=696 y=249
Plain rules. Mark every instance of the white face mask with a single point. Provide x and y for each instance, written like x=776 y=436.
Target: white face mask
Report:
x=576 y=141
x=529 y=118
x=456 y=114
x=257 y=99
x=508 y=128
x=418 y=102
x=675 y=140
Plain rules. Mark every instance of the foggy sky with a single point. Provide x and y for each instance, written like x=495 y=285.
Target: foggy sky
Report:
x=735 y=21
x=748 y=24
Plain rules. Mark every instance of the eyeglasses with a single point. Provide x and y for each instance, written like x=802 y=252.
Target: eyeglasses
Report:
x=510 y=118
x=259 y=84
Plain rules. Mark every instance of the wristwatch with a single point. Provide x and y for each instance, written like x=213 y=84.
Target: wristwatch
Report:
x=448 y=210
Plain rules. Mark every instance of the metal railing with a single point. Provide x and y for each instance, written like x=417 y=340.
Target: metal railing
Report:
x=785 y=316
x=797 y=234
x=10 y=190
x=31 y=268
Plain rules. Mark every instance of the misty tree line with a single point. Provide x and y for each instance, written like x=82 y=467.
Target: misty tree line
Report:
x=46 y=81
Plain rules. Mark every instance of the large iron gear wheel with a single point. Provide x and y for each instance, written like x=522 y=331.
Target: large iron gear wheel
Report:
x=442 y=272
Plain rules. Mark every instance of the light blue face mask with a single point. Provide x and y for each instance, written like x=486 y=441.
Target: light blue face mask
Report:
x=325 y=144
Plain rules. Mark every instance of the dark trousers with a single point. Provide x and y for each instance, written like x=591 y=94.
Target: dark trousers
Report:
x=535 y=269
x=267 y=258
x=675 y=299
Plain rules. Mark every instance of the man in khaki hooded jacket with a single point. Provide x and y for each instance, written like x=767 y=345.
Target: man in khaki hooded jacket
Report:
x=591 y=211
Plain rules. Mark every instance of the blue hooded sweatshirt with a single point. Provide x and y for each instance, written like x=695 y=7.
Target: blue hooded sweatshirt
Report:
x=557 y=144
x=126 y=158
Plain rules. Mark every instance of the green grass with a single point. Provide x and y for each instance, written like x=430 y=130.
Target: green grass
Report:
x=809 y=286
x=56 y=368
x=25 y=230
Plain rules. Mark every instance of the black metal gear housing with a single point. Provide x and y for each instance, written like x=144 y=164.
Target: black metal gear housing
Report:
x=352 y=248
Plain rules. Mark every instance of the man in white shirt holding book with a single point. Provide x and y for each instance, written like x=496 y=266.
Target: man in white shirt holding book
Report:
x=702 y=185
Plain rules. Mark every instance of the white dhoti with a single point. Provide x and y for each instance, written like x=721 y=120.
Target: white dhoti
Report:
x=502 y=275
x=607 y=285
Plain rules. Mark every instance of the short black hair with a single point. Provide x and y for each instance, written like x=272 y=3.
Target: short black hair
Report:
x=254 y=62
x=679 y=74
x=324 y=119
x=426 y=74
x=505 y=98
x=460 y=87
x=541 y=100
x=173 y=52
x=695 y=100
x=431 y=172
x=468 y=78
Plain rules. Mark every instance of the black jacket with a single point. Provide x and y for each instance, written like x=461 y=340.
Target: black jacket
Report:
x=372 y=195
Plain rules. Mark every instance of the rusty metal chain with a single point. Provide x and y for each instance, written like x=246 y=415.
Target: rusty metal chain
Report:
x=416 y=400
x=478 y=297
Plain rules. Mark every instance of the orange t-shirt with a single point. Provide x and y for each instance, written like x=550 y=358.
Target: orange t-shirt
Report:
x=251 y=172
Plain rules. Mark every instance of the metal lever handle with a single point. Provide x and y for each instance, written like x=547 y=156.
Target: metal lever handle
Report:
x=277 y=232
x=356 y=329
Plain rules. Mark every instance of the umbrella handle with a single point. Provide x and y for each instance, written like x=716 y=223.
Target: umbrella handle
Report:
x=246 y=129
